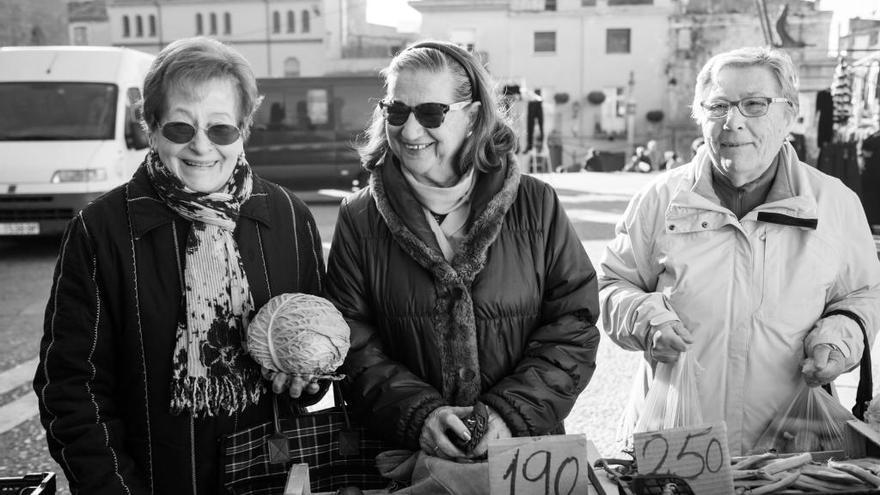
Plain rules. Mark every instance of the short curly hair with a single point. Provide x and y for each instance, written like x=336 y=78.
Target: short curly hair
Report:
x=189 y=62
x=777 y=61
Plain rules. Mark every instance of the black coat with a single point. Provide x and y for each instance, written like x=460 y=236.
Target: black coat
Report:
x=105 y=358
x=510 y=321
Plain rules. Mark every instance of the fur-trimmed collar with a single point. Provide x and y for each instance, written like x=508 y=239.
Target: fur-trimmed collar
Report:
x=493 y=195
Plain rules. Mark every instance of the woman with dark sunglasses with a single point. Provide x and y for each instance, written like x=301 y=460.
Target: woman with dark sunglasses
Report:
x=463 y=281
x=142 y=367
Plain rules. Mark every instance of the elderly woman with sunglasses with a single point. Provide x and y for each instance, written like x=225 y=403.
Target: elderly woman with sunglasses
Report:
x=760 y=267
x=462 y=280
x=142 y=368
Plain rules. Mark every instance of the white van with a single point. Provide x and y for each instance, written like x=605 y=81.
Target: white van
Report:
x=67 y=131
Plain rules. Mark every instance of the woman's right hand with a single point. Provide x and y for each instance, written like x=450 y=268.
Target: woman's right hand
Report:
x=293 y=385
x=434 y=440
x=668 y=340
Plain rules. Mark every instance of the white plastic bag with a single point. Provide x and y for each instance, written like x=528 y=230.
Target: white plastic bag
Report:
x=813 y=421
x=673 y=400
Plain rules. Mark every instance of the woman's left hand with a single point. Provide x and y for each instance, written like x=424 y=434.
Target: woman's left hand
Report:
x=497 y=428
x=434 y=439
x=295 y=385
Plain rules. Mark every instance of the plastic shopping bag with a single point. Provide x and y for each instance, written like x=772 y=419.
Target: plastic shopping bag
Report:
x=673 y=400
x=814 y=421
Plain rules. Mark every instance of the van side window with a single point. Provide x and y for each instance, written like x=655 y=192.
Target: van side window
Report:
x=135 y=137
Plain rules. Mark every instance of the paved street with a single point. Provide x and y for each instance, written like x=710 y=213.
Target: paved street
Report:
x=593 y=201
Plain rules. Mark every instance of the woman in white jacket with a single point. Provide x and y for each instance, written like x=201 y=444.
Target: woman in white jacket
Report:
x=758 y=265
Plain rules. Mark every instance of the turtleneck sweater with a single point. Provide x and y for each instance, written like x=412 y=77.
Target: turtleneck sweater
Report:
x=446 y=209
x=743 y=199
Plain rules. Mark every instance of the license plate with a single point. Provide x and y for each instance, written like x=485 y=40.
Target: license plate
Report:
x=20 y=228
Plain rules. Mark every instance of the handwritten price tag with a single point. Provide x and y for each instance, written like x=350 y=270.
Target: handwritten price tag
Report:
x=697 y=454
x=548 y=465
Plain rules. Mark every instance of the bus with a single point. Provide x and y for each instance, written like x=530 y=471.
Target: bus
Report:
x=305 y=131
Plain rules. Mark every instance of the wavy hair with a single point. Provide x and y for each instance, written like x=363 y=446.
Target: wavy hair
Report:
x=492 y=138
x=190 y=62
x=777 y=61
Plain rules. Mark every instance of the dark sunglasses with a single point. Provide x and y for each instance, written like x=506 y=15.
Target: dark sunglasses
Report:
x=429 y=115
x=182 y=133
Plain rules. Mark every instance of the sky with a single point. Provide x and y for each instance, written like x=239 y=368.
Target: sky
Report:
x=394 y=13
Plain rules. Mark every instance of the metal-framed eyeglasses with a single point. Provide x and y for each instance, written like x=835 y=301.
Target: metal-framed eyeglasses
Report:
x=429 y=115
x=182 y=133
x=753 y=106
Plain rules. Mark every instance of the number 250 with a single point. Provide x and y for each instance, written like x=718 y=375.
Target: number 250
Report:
x=702 y=460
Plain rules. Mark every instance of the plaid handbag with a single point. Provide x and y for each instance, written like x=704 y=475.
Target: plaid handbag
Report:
x=339 y=453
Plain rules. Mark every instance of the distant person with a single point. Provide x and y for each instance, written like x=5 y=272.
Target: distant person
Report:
x=671 y=160
x=462 y=280
x=639 y=161
x=593 y=162
x=142 y=365
x=758 y=265
x=277 y=115
x=534 y=116
x=653 y=154
x=581 y=167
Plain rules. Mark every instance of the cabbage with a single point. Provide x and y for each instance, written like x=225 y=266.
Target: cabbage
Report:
x=299 y=334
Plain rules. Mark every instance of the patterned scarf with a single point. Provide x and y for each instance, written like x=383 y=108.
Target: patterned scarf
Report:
x=211 y=372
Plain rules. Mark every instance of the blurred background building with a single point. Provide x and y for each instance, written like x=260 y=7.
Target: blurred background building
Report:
x=612 y=73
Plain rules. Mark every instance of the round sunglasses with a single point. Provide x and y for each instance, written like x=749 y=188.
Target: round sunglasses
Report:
x=182 y=133
x=429 y=115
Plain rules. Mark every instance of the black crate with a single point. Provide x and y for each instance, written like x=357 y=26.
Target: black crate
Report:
x=29 y=484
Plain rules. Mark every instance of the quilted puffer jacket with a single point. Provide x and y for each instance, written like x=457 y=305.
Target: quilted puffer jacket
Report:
x=510 y=321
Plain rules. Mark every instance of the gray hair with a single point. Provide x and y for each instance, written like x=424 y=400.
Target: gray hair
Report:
x=777 y=61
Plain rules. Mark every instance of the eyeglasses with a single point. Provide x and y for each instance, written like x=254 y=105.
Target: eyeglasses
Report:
x=182 y=133
x=429 y=115
x=753 y=106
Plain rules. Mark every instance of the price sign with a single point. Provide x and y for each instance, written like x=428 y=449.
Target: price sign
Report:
x=696 y=454
x=548 y=465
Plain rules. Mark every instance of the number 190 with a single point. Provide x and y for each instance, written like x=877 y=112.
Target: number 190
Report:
x=534 y=470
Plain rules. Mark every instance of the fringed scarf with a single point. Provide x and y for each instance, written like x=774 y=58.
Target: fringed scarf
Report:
x=211 y=372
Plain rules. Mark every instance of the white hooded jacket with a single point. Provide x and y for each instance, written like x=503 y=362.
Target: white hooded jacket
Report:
x=751 y=291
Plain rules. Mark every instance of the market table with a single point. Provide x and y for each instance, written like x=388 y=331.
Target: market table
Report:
x=598 y=481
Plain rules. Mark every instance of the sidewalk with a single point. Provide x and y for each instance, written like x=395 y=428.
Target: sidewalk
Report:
x=617 y=183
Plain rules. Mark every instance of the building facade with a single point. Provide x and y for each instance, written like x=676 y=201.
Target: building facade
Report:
x=281 y=38
x=88 y=23
x=627 y=66
x=570 y=48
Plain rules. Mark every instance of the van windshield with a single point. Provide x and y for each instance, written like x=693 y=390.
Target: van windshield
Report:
x=38 y=111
